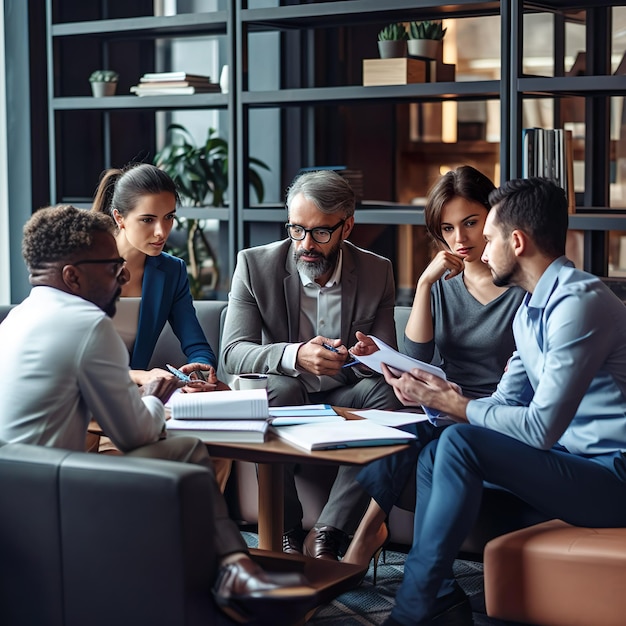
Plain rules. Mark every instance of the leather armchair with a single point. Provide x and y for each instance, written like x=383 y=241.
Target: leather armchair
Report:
x=100 y=540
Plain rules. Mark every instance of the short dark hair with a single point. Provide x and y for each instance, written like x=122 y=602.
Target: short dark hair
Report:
x=122 y=189
x=59 y=233
x=330 y=192
x=463 y=182
x=537 y=206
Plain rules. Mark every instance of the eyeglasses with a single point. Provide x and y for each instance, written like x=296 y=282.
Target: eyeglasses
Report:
x=119 y=263
x=320 y=235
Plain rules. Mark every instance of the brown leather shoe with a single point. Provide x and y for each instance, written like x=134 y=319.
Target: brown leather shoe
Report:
x=324 y=543
x=292 y=540
x=246 y=592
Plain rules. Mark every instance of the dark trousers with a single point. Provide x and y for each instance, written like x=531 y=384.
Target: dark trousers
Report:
x=452 y=470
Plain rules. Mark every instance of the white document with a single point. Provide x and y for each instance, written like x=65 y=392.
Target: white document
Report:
x=244 y=404
x=346 y=434
x=227 y=431
x=396 y=361
x=399 y=363
x=391 y=418
x=304 y=414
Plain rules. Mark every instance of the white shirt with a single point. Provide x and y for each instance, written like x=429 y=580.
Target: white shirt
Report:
x=62 y=363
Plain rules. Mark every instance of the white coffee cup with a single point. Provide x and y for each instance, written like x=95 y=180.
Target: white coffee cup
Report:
x=250 y=381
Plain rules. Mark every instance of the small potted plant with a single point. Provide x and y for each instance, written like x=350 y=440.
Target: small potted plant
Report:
x=103 y=82
x=392 y=41
x=425 y=39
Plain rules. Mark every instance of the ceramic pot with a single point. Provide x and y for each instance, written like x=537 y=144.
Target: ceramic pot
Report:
x=99 y=89
x=392 y=49
x=425 y=48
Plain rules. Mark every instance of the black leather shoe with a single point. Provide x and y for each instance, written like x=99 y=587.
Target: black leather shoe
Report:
x=453 y=609
x=324 y=543
x=249 y=594
x=293 y=539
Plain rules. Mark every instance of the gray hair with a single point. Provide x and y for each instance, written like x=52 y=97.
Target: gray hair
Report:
x=330 y=192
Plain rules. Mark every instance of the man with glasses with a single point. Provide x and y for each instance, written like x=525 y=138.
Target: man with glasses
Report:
x=294 y=309
x=64 y=363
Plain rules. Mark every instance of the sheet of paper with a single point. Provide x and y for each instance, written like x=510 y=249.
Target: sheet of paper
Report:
x=391 y=418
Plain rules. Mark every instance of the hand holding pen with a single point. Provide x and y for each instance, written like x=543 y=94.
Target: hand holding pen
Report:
x=322 y=356
x=350 y=361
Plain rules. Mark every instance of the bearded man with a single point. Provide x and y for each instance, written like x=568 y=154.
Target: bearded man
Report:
x=294 y=306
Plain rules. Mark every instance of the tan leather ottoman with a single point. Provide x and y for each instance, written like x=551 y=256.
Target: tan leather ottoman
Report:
x=554 y=574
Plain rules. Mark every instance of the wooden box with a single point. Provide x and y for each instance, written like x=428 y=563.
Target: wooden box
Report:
x=401 y=71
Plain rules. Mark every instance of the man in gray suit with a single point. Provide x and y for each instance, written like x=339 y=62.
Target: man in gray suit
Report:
x=294 y=306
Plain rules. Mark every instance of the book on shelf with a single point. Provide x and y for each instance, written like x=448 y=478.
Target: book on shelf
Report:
x=140 y=90
x=548 y=153
x=345 y=434
x=220 y=431
x=159 y=84
x=164 y=76
x=248 y=404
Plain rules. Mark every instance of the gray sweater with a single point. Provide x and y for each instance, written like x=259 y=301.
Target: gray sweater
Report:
x=472 y=342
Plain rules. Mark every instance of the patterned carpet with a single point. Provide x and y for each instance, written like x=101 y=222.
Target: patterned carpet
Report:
x=370 y=604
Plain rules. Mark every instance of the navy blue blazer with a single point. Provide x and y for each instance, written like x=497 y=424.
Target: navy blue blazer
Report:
x=166 y=297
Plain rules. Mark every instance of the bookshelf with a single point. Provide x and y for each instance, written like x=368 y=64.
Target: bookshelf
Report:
x=326 y=115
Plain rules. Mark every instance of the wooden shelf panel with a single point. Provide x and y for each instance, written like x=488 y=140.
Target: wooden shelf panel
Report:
x=184 y=25
x=436 y=92
x=326 y=15
x=160 y=103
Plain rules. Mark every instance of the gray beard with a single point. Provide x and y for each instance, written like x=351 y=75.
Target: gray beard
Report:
x=313 y=269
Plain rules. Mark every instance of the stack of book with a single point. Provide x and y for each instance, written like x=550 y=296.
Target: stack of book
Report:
x=220 y=416
x=548 y=153
x=174 y=83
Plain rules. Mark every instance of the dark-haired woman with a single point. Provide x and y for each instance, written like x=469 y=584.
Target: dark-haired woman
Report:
x=459 y=320
x=142 y=201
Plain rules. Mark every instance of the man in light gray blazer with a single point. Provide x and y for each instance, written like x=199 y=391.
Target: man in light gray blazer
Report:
x=294 y=307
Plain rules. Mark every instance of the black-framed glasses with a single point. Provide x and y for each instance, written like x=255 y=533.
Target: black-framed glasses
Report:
x=320 y=235
x=119 y=263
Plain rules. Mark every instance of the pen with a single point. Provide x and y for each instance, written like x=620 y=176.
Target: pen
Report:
x=332 y=349
x=329 y=347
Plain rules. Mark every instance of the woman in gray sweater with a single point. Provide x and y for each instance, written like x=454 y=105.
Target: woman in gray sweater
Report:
x=460 y=321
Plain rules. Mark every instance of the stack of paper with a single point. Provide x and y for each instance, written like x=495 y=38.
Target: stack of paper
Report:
x=303 y=414
x=225 y=416
x=173 y=83
x=346 y=434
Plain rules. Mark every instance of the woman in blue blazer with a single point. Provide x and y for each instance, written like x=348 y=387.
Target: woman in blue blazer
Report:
x=142 y=201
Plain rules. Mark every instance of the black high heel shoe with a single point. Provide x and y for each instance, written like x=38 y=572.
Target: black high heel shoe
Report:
x=382 y=549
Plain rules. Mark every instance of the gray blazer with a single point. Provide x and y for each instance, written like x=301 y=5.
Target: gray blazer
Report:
x=263 y=313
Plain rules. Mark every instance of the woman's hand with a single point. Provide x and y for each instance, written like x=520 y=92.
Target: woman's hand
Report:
x=205 y=378
x=444 y=261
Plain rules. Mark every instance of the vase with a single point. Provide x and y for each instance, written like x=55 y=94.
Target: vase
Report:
x=99 y=89
x=425 y=48
x=392 y=49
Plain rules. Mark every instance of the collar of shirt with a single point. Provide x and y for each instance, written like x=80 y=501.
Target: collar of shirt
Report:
x=335 y=279
x=546 y=285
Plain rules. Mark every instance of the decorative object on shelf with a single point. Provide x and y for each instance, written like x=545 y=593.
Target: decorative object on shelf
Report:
x=201 y=173
x=173 y=84
x=392 y=41
x=425 y=39
x=103 y=83
x=393 y=71
x=224 y=79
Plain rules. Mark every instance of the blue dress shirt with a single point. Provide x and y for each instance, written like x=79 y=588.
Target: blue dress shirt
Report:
x=566 y=381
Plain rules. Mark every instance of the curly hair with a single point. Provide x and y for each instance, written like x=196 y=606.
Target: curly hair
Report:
x=329 y=191
x=58 y=233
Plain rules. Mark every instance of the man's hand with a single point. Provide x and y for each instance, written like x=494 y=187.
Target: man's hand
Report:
x=313 y=357
x=420 y=387
x=364 y=345
x=161 y=388
x=205 y=378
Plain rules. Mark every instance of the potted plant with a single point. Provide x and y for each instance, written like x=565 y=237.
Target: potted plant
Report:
x=392 y=41
x=103 y=82
x=201 y=175
x=425 y=39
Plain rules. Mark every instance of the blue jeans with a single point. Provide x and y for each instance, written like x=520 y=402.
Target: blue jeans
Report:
x=452 y=470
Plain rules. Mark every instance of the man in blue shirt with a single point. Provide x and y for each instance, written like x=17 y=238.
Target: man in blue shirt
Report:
x=554 y=431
